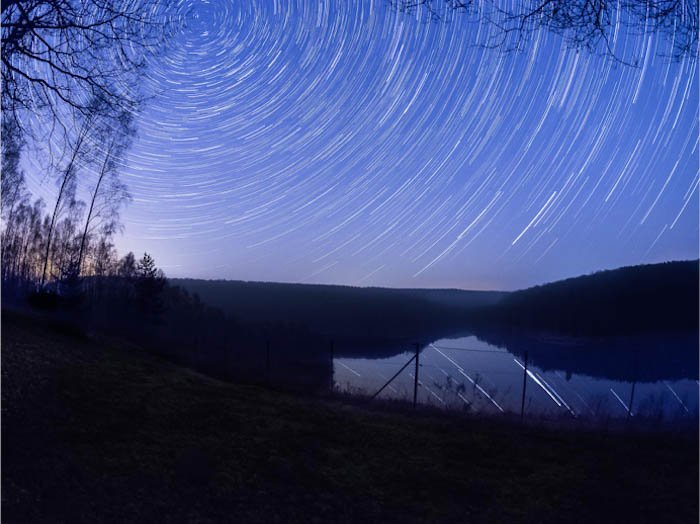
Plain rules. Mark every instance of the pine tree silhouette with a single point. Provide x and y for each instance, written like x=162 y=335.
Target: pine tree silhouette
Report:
x=150 y=283
x=146 y=268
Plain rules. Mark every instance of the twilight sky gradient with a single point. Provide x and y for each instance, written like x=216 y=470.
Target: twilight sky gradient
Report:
x=342 y=142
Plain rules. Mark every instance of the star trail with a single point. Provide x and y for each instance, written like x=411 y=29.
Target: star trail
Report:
x=346 y=142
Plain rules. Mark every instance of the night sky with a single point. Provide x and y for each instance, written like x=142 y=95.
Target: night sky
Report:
x=344 y=142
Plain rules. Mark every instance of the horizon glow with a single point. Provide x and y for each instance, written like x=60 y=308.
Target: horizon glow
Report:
x=346 y=143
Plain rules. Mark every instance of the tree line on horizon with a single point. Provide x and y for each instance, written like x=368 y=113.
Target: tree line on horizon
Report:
x=50 y=247
x=70 y=95
x=74 y=89
x=60 y=260
x=634 y=300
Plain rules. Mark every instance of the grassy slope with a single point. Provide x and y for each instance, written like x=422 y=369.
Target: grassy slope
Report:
x=91 y=434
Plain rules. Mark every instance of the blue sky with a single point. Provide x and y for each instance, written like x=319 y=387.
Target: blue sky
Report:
x=343 y=142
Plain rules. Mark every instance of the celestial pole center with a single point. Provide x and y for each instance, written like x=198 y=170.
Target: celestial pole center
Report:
x=345 y=142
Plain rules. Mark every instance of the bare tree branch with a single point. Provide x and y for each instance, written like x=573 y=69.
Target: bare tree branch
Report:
x=589 y=24
x=58 y=56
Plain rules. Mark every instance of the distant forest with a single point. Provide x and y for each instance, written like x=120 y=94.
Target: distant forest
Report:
x=356 y=318
x=63 y=265
x=633 y=300
x=58 y=257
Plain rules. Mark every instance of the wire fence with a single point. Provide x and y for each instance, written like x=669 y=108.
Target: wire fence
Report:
x=481 y=379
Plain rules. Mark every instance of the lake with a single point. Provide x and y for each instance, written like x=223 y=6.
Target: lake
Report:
x=656 y=376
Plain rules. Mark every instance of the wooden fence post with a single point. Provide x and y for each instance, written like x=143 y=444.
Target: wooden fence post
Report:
x=629 y=409
x=332 y=380
x=415 y=378
x=522 y=404
x=634 y=383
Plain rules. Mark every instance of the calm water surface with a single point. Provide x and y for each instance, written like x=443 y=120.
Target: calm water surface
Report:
x=469 y=374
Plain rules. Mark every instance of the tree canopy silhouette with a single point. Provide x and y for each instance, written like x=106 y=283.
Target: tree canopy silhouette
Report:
x=59 y=56
x=582 y=23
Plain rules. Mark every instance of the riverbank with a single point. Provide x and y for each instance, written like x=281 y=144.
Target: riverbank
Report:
x=94 y=433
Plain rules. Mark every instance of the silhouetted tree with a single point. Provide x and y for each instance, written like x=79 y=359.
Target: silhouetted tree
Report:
x=109 y=194
x=75 y=66
x=127 y=266
x=58 y=55
x=146 y=268
x=66 y=190
x=150 y=282
x=104 y=258
x=582 y=23
x=13 y=188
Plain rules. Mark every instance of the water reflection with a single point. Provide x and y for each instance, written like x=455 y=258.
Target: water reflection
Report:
x=657 y=377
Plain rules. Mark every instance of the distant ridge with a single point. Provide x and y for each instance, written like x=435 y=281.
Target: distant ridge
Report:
x=652 y=298
x=628 y=300
x=340 y=309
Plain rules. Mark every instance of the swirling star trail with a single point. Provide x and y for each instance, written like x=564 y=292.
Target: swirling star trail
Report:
x=345 y=142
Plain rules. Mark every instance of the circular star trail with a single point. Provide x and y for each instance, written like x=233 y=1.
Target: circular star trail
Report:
x=346 y=142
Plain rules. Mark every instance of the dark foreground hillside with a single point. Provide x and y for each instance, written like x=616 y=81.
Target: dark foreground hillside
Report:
x=95 y=434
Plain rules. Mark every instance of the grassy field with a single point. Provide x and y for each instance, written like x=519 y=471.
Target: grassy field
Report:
x=92 y=433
